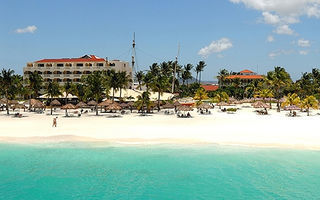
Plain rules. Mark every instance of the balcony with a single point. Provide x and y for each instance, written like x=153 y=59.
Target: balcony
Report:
x=57 y=75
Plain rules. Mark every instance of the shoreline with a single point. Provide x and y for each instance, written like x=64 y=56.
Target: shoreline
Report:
x=245 y=128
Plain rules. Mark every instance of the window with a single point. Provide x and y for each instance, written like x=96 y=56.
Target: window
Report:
x=100 y=64
x=79 y=64
x=124 y=65
x=60 y=65
x=40 y=65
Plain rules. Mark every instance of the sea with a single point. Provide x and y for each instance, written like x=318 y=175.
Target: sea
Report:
x=114 y=171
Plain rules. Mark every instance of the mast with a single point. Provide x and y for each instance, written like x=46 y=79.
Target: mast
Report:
x=133 y=58
x=175 y=70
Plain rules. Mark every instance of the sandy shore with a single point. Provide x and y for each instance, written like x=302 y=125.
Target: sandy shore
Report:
x=243 y=128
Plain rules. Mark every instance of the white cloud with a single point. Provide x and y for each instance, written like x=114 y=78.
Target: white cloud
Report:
x=277 y=53
x=270 y=38
x=284 y=30
x=304 y=43
x=28 y=29
x=282 y=13
x=303 y=52
x=215 y=47
x=270 y=18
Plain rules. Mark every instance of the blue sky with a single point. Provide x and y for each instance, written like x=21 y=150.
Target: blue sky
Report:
x=232 y=34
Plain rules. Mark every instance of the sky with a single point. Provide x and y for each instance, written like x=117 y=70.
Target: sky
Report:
x=231 y=34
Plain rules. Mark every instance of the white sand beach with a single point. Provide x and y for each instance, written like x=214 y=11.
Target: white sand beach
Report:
x=243 y=128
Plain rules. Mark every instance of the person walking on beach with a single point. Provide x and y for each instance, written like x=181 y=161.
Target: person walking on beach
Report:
x=54 y=124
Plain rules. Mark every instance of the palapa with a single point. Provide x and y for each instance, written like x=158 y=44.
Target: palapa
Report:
x=114 y=106
x=168 y=106
x=19 y=106
x=223 y=104
x=105 y=103
x=92 y=103
x=260 y=104
x=124 y=105
x=13 y=102
x=204 y=106
x=38 y=105
x=292 y=107
x=176 y=103
x=184 y=108
x=81 y=105
x=55 y=103
x=69 y=106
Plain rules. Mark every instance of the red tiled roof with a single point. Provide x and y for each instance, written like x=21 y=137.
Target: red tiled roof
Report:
x=92 y=58
x=210 y=87
x=245 y=77
x=246 y=71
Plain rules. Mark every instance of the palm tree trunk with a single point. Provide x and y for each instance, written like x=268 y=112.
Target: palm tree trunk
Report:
x=120 y=92
x=308 y=111
x=112 y=95
x=7 y=106
x=96 y=109
x=158 y=101
x=199 y=77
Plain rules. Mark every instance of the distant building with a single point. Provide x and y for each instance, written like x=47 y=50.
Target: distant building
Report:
x=210 y=88
x=245 y=77
x=72 y=69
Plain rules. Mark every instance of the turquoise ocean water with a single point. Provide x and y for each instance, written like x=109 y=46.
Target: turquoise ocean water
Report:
x=86 y=171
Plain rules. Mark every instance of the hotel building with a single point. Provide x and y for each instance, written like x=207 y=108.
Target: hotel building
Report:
x=245 y=77
x=72 y=69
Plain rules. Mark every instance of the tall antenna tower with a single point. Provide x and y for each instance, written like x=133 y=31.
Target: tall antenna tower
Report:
x=133 y=53
x=175 y=69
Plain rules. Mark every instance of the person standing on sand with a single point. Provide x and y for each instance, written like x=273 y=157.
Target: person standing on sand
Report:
x=54 y=122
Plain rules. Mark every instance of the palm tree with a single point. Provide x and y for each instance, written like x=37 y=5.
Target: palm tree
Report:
x=143 y=101
x=147 y=79
x=200 y=68
x=220 y=97
x=278 y=80
x=200 y=95
x=187 y=72
x=114 y=81
x=9 y=84
x=290 y=100
x=79 y=90
x=35 y=83
x=309 y=102
x=264 y=93
x=222 y=74
x=94 y=85
x=160 y=84
x=139 y=76
x=67 y=88
x=124 y=80
x=53 y=90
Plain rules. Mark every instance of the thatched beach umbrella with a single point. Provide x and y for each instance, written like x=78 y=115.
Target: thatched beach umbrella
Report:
x=260 y=104
x=19 y=106
x=3 y=101
x=184 y=108
x=204 y=106
x=81 y=105
x=105 y=103
x=292 y=107
x=113 y=107
x=168 y=106
x=55 y=103
x=124 y=105
x=68 y=106
x=92 y=103
x=13 y=102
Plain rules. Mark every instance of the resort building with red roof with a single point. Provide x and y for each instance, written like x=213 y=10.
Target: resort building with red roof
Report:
x=245 y=77
x=72 y=69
